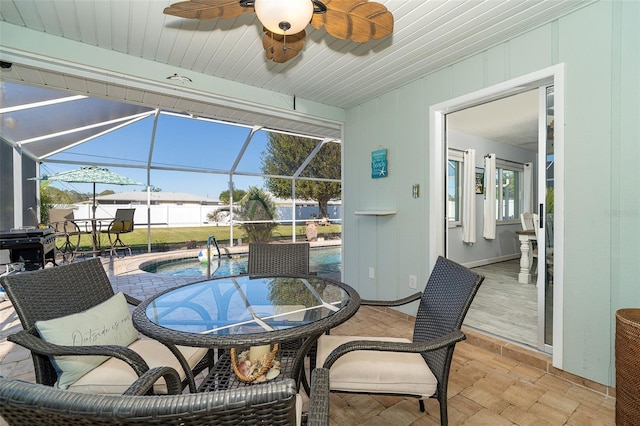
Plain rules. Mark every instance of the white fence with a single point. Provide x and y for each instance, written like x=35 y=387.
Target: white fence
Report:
x=164 y=215
x=172 y=215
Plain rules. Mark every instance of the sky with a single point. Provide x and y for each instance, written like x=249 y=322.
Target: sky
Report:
x=180 y=142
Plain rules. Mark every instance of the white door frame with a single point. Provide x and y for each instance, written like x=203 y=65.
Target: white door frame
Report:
x=437 y=154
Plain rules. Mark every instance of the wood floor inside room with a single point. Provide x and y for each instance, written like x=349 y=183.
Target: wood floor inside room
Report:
x=504 y=307
x=484 y=389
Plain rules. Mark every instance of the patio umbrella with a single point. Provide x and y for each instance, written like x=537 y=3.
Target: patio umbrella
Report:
x=91 y=174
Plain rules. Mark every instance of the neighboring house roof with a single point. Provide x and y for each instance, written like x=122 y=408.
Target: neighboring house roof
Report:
x=156 y=197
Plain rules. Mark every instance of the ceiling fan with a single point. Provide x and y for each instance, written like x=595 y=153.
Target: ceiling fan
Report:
x=284 y=20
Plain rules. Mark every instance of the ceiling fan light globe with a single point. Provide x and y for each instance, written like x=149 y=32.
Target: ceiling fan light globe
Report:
x=278 y=14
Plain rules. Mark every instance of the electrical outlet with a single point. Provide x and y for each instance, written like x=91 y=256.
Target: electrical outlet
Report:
x=413 y=281
x=372 y=273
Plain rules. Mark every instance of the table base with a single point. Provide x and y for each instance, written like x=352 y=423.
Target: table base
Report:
x=222 y=376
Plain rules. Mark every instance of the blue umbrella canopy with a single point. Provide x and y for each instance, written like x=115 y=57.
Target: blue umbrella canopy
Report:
x=91 y=174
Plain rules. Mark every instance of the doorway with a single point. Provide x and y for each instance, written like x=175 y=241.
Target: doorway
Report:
x=549 y=326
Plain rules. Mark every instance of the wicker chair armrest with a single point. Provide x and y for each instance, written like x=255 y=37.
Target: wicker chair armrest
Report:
x=144 y=384
x=398 y=302
x=42 y=347
x=319 y=400
x=189 y=376
x=132 y=300
x=410 y=347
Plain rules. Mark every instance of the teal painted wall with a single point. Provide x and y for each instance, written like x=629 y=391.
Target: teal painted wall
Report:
x=600 y=48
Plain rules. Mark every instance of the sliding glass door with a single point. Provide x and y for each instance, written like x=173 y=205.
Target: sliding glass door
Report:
x=546 y=193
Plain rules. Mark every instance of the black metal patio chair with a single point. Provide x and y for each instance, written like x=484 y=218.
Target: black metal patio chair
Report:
x=67 y=233
x=79 y=288
x=418 y=368
x=122 y=223
x=274 y=403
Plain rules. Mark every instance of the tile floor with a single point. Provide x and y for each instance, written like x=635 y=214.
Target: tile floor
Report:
x=485 y=387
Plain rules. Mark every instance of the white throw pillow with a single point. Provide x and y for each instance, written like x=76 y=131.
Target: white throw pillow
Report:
x=108 y=323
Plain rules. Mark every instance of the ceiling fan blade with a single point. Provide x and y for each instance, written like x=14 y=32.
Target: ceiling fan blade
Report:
x=355 y=20
x=281 y=48
x=207 y=9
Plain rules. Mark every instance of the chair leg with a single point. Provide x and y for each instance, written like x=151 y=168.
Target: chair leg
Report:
x=444 y=416
x=117 y=244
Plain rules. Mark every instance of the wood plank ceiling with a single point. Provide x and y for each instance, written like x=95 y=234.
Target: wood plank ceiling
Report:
x=428 y=36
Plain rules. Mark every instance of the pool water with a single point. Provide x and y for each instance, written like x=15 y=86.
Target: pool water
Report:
x=321 y=260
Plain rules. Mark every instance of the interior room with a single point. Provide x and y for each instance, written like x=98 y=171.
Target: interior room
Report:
x=507 y=127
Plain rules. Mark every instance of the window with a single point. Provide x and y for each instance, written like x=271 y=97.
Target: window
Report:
x=509 y=193
x=454 y=190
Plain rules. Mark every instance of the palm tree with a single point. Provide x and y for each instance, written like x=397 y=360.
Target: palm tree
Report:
x=258 y=212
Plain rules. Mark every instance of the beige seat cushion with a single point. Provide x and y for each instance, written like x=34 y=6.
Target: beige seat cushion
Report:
x=298 y=410
x=376 y=372
x=115 y=376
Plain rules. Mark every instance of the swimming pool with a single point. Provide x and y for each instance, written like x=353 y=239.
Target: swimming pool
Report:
x=325 y=260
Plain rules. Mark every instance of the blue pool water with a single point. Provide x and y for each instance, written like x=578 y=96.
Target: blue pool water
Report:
x=321 y=260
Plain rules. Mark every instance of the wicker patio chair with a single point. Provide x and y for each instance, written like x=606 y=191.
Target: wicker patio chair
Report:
x=418 y=368
x=270 y=403
x=278 y=259
x=62 y=291
x=282 y=259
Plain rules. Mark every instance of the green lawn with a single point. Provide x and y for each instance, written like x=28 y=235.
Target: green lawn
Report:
x=174 y=238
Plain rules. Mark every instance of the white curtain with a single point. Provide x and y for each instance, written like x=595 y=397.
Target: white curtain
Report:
x=489 y=231
x=528 y=188
x=469 y=196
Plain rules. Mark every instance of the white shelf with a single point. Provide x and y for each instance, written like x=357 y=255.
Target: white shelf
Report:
x=374 y=212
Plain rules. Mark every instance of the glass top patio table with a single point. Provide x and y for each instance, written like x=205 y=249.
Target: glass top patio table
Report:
x=246 y=310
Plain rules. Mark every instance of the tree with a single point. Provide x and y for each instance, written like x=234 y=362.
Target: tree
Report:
x=218 y=215
x=257 y=206
x=222 y=214
x=237 y=195
x=286 y=153
x=45 y=203
x=58 y=196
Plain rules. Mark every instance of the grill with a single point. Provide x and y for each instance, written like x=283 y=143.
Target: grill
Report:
x=31 y=246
